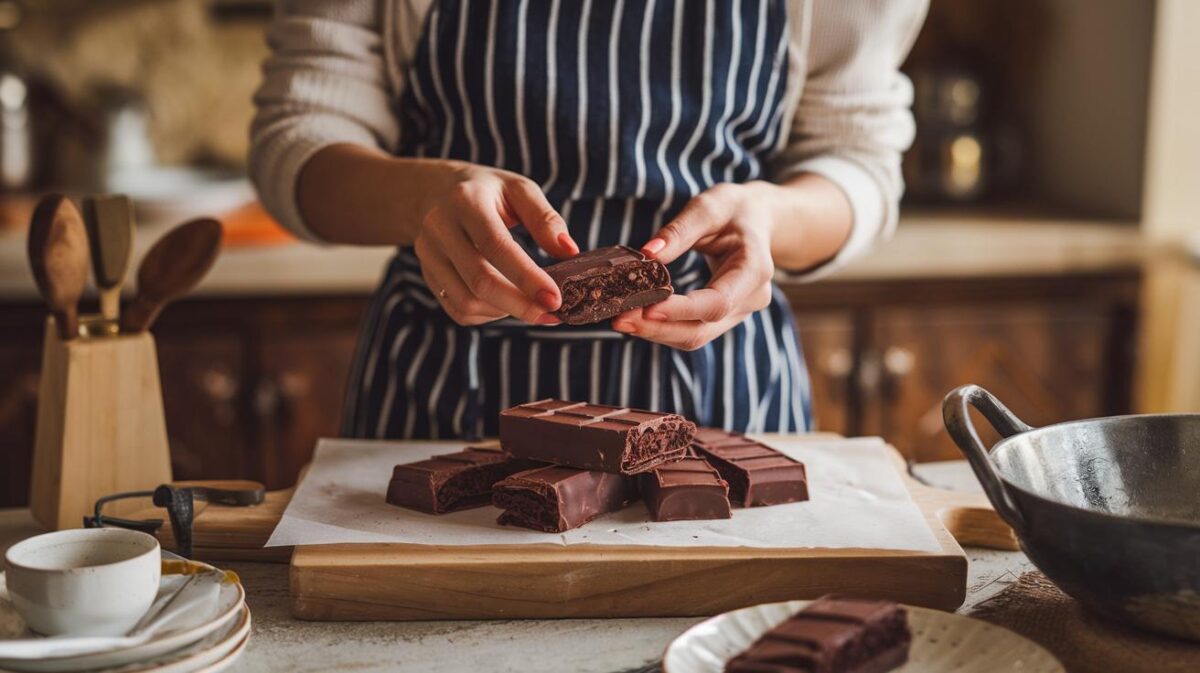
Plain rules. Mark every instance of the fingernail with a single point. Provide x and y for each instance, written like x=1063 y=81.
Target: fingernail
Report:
x=653 y=246
x=547 y=319
x=625 y=327
x=654 y=315
x=564 y=239
x=547 y=299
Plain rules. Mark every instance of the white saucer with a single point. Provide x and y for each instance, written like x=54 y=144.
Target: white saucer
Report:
x=942 y=642
x=214 y=653
x=231 y=601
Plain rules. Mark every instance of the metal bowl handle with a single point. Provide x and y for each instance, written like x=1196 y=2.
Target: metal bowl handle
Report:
x=955 y=413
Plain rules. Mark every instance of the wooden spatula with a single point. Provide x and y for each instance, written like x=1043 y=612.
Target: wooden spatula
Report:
x=109 y=221
x=58 y=256
x=171 y=267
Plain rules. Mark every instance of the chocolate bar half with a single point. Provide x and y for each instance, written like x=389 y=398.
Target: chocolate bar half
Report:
x=453 y=481
x=594 y=436
x=688 y=489
x=832 y=635
x=757 y=474
x=555 y=499
x=606 y=282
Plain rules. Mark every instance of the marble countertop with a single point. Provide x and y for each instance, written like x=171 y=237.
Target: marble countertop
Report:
x=930 y=246
x=279 y=642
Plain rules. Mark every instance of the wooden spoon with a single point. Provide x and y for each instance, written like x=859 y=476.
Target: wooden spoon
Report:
x=171 y=267
x=109 y=221
x=58 y=256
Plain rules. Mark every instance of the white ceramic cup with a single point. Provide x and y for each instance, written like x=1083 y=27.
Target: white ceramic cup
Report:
x=90 y=582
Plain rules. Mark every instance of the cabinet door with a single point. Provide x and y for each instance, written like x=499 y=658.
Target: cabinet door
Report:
x=827 y=338
x=19 y=366
x=1048 y=363
x=298 y=397
x=204 y=384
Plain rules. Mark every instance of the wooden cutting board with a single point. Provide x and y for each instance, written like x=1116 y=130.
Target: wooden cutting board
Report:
x=418 y=582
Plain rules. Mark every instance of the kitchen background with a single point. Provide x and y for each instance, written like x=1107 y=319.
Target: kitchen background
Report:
x=1047 y=250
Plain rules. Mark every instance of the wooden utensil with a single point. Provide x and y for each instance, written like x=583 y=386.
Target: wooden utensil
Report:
x=58 y=256
x=170 y=268
x=109 y=221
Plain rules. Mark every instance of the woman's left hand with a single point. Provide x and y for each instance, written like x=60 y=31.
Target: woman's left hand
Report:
x=731 y=225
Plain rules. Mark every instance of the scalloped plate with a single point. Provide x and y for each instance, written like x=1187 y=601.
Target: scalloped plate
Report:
x=942 y=643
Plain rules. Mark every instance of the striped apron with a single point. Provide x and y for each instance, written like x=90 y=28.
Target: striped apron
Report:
x=622 y=111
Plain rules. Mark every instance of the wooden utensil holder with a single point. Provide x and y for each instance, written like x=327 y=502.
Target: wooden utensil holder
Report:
x=100 y=426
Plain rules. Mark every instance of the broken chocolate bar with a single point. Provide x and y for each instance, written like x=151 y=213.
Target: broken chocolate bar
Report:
x=454 y=481
x=832 y=635
x=555 y=499
x=757 y=474
x=606 y=282
x=688 y=489
x=594 y=436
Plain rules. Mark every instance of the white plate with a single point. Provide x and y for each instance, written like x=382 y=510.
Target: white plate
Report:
x=230 y=601
x=212 y=653
x=942 y=642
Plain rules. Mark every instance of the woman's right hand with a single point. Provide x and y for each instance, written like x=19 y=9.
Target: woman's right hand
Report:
x=469 y=258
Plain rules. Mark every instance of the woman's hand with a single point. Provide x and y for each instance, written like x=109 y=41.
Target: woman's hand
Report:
x=732 y=226
x=469 y=258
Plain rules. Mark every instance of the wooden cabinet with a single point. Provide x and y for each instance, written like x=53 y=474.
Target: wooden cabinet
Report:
x=827 y=339
x=298 y=398
x=250 y=384
x=1047 y=363
x=19 y=365
x=1053 y=349
x=205 y=384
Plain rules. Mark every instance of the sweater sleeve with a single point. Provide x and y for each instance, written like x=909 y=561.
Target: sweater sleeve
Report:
x=853 y=120
x=325 y=82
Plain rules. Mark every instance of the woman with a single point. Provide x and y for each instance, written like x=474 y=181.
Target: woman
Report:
x=487 y=138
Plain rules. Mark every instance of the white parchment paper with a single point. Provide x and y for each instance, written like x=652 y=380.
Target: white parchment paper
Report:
x=857 y=500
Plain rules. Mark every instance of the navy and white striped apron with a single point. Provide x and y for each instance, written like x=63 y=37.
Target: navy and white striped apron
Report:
x=622 y=111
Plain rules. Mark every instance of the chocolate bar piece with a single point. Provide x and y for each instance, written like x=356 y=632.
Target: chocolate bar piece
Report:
x=757 y=474
x=554 y=499
x=605 y=282
x=453 y=481
x=688 y=489
x=594 y=436
x=832 y=635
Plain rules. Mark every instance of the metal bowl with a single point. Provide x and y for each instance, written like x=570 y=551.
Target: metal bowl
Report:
x=1108 y=509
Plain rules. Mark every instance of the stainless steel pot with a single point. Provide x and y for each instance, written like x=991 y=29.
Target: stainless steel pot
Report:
x=1108 y=509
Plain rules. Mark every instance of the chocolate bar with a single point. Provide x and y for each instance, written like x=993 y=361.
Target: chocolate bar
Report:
x=832 y=635
x=555 y=499
x=454 y=481
x=757 y=474
x=594 y=436
x=605 y=282
x=688 y=489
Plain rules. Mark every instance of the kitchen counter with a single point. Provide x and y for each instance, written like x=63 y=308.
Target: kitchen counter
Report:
x=279 y=642
x=936 y=246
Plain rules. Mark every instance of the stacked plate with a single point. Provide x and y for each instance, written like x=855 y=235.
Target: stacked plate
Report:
x=209 y=646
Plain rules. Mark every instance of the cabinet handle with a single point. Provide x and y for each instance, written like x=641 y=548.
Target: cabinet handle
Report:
x=221 y=387
x=275 y=399
x=837 y=363
x=898 y=362
x=218 y=384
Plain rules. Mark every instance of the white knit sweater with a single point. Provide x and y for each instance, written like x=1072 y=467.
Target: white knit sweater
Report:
x=338 y=67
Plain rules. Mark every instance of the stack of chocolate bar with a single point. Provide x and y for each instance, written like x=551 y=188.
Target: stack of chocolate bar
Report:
x=561 y=464
x=596 y=451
